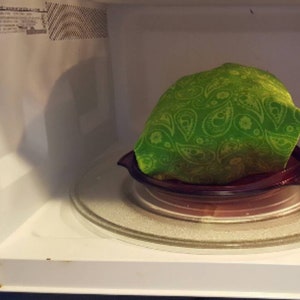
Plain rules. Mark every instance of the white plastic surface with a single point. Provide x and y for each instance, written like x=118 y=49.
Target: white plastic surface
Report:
x=55 y=250
x=58 y=112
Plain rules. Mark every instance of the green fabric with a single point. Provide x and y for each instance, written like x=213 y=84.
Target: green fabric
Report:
x=218 y=126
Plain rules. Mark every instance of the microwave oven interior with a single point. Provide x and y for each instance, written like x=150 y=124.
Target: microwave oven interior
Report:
x=78 y=80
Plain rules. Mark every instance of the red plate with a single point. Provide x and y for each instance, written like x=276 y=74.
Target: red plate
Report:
x=248 y=185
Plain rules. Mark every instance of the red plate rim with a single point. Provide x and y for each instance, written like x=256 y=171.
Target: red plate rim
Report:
x=250 y=184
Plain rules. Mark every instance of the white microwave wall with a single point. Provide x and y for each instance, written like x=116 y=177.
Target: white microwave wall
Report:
x=65 y=99
x=152 y=47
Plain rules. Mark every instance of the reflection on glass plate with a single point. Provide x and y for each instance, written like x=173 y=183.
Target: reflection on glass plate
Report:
x=218 y=209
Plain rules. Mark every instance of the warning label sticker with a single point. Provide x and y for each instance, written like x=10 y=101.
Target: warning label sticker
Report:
x=20 y=19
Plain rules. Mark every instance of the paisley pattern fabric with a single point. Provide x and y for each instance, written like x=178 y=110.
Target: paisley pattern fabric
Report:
x=218 y=126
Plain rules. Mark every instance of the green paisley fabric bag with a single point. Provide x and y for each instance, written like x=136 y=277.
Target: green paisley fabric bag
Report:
x=218 y=126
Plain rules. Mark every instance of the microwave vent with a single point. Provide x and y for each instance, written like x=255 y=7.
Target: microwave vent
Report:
x=68 y=22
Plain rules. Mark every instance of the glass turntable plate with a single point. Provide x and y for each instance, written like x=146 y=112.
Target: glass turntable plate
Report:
x=113 y=201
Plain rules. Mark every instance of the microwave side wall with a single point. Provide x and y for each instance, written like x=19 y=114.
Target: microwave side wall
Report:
x=56 y=102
